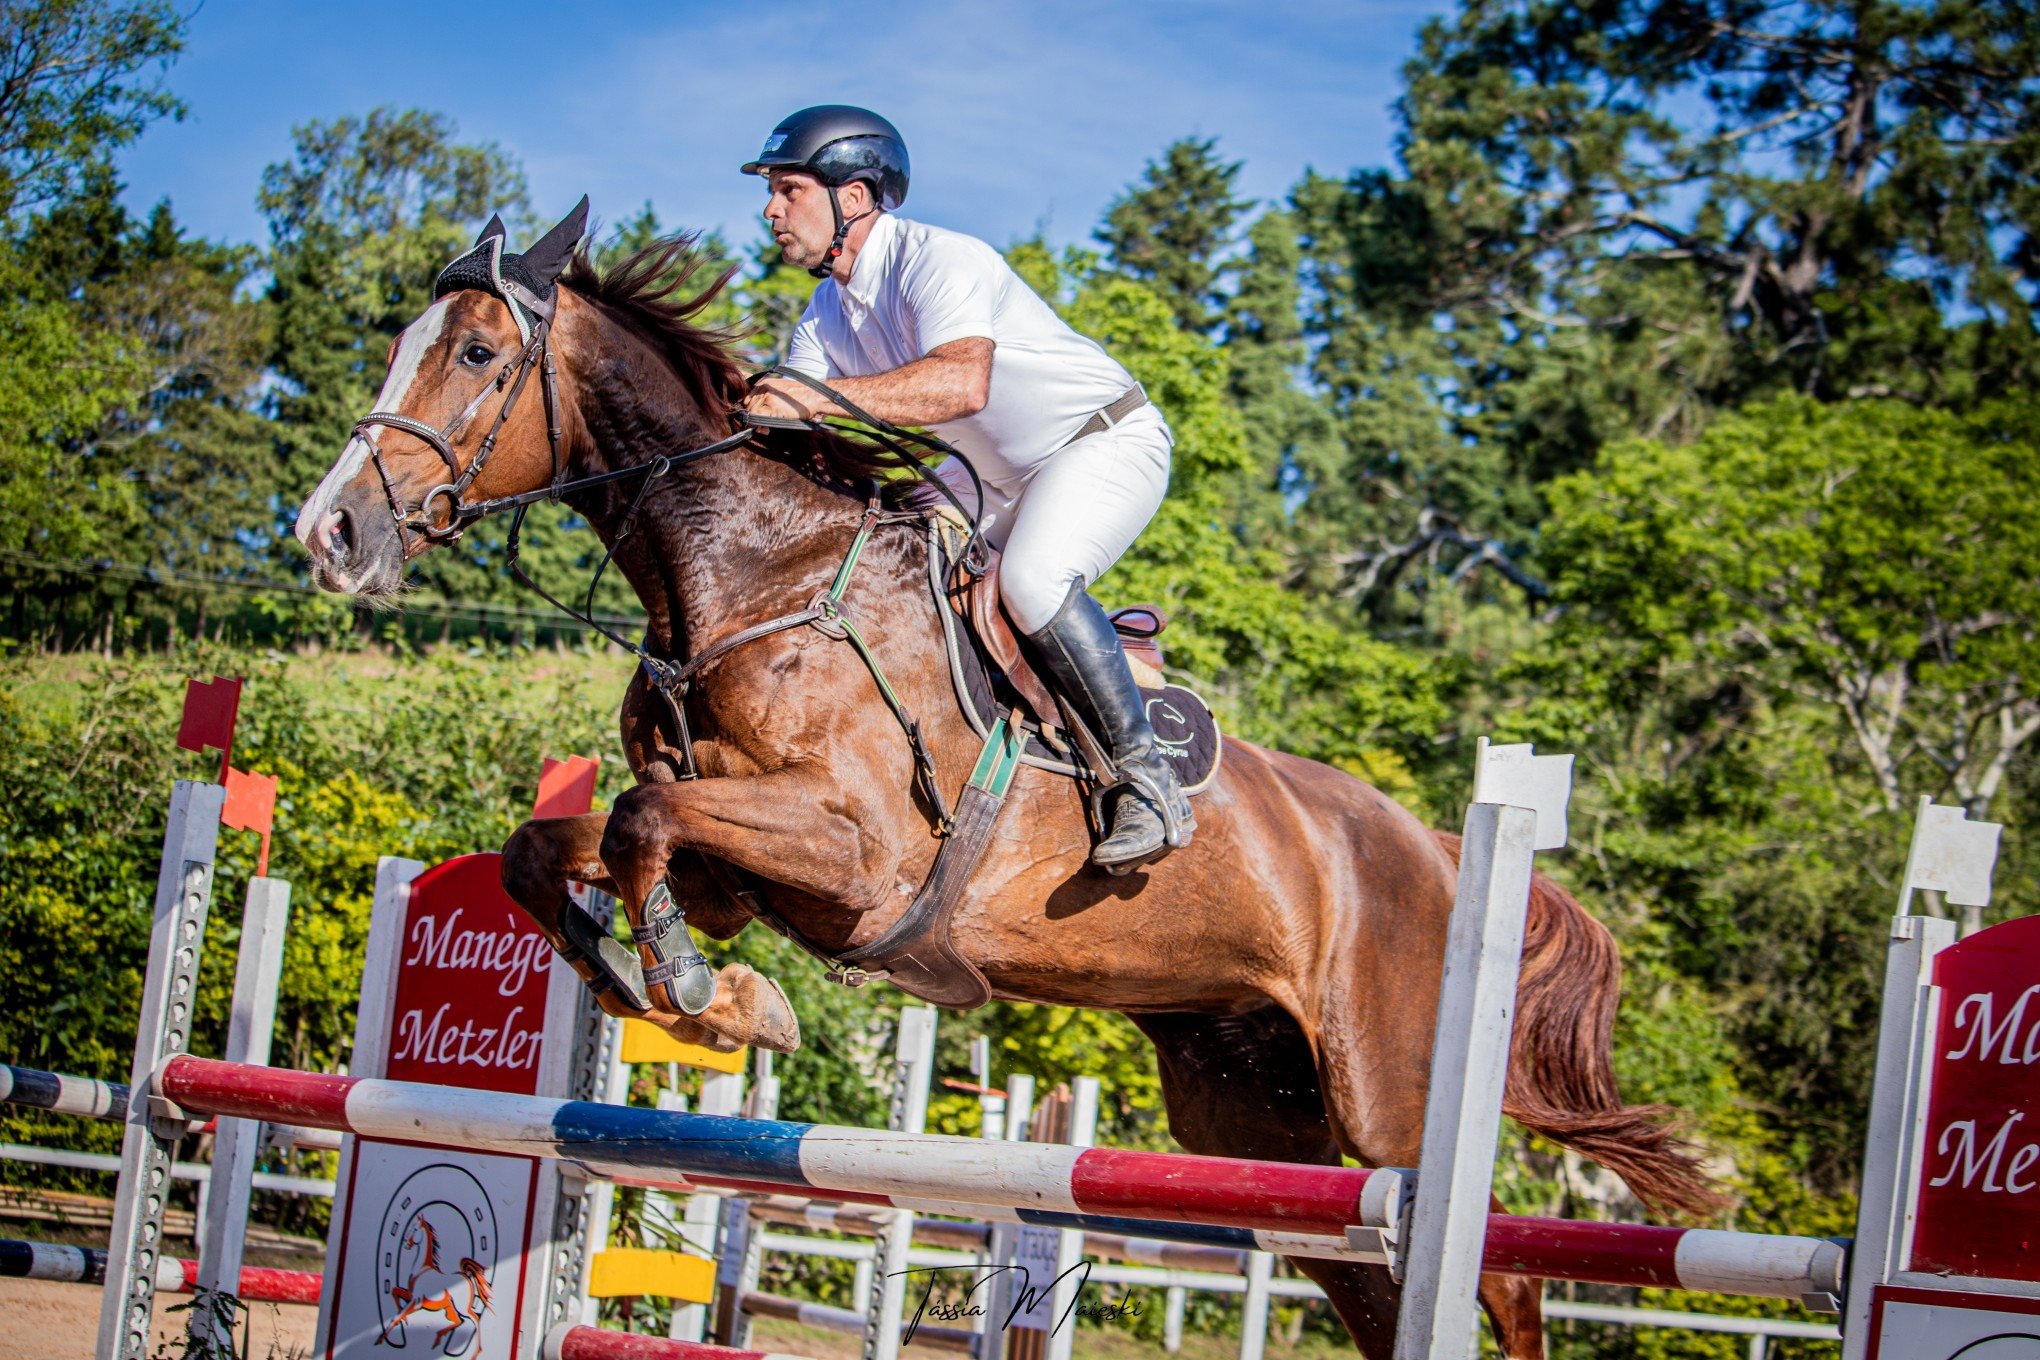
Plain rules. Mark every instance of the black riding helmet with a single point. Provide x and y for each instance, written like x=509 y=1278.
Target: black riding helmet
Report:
x=838 y=144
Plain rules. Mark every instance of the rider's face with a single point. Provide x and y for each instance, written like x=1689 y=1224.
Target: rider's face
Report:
x=798 y=213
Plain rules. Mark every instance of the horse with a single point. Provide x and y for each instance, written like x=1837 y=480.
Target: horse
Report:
x=1285 y=965
x=430 y=1288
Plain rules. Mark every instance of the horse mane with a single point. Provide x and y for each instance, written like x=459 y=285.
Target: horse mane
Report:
x=648 y=289
x=431 y=1241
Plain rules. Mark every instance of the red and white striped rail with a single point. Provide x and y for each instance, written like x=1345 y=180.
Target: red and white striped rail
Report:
x=571 y=1342
x=973 y=1174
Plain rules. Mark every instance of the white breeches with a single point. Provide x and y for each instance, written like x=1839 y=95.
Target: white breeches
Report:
x=1074 y=514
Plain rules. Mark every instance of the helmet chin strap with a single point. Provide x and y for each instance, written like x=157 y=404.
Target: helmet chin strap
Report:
x=835 y=251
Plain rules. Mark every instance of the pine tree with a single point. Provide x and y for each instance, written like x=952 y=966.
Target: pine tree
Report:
x=1174 y=227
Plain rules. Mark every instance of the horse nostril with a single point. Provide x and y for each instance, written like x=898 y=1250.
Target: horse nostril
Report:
x=340 y=536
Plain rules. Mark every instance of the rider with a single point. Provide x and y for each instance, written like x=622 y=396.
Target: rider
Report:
x=922 y=326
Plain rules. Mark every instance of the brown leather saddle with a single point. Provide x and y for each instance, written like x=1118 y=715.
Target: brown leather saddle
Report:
x=981 y=607
x=991 y=671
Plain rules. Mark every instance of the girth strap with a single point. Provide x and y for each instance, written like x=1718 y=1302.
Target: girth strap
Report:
x=916 y=954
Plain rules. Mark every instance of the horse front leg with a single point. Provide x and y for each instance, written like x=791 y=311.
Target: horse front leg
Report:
x=795 y=826
x=539 y=860
x=542 y=857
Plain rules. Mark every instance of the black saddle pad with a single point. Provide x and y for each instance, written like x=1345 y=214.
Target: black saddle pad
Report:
x=1187 y=733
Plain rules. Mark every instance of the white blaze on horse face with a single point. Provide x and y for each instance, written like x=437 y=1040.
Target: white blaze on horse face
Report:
x=318 y=517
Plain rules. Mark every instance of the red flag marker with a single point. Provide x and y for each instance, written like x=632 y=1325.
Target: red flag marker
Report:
x=566 y=788
x=210 y=710
x=251 y=806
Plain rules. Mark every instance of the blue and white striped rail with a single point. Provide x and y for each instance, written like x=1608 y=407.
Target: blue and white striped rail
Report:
x=1281 y=1207
x=61 y=1094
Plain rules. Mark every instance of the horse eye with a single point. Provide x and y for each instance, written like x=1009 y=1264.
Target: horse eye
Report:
x=476 y=355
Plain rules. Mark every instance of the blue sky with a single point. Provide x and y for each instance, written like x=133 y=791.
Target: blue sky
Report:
x=1018 y=116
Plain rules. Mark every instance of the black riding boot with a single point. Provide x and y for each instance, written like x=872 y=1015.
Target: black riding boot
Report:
x=1150 y=815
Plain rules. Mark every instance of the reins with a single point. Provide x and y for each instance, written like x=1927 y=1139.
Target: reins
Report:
x=673 y=680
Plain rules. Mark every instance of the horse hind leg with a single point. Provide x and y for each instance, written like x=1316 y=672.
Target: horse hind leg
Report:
x=1374 y=1065
x=1247 y=1086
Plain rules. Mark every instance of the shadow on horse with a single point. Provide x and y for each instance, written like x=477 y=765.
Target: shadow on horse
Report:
x=1285 y=966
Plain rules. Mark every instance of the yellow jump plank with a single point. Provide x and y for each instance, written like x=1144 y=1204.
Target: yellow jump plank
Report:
x=644 y=1042
x=630 y=1272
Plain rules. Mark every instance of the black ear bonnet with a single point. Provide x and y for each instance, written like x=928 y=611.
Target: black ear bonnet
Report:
x=526 y=282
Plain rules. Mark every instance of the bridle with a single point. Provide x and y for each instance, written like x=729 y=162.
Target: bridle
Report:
x=536 y=356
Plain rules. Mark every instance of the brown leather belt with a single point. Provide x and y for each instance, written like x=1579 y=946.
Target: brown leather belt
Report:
x=1127 y=402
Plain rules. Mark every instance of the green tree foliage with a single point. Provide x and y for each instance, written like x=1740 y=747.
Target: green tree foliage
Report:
x=1824 y=170
x=1871 y=557
x=1616 y=219
x=75 y=85
x=127 y=445
x=1292 y=437
x=1774 y=638
x=60 y=379
x=1173 y=229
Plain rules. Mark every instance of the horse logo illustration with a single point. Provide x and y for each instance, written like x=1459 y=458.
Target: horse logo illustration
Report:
x=439 y=1253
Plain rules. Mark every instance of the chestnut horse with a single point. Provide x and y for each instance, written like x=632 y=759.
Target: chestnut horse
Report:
x=1286 y=965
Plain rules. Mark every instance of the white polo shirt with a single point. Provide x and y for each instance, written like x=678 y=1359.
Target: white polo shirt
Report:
x=915 y=287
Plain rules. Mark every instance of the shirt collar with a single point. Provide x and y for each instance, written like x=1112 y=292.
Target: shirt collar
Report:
x=874 y=260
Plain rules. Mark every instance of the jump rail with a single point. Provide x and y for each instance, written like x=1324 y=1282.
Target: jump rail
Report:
x=850 y=1322
x=593 y=1343
x=87 y=1265
x=973 y=1174
x=91 y=1098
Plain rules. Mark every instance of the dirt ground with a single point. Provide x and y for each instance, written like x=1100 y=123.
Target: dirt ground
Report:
x=50 y=1321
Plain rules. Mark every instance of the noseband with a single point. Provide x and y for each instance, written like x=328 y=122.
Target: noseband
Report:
x=535 y=356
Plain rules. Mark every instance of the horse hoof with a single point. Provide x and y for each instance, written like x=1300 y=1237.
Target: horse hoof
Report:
x=771 y=1021
x=749 y=1009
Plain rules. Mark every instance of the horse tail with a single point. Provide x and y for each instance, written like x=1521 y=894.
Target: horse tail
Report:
x=479 y=1298
x=1561 y=1081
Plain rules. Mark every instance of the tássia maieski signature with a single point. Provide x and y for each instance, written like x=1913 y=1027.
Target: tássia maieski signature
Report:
x=975 y=1302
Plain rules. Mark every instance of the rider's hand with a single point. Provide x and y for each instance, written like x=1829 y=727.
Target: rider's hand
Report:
x=785 y=399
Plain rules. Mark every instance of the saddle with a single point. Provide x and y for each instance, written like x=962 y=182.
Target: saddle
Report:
x=991 y=670
x=981 y=606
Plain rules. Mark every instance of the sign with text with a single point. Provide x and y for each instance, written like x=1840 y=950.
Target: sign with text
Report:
x=1942 y=1324
x=1979 y=1197
x=470 y=1000
x=443 y=1252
